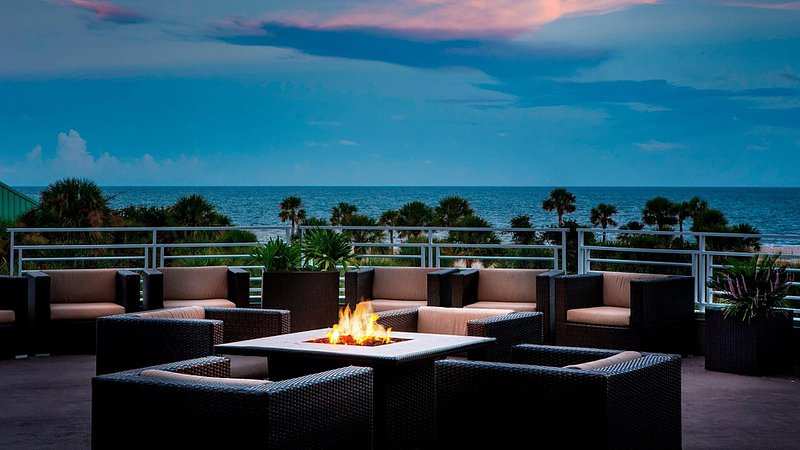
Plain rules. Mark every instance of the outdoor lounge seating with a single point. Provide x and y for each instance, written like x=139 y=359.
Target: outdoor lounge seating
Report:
x=67 y=302
x=213 y=286
x=397 y=287
x=508 y=327
x=147 y=338
x=193 y=404
x=516 y=289
x=631 y=404
x=15 y=336
x=625 y=310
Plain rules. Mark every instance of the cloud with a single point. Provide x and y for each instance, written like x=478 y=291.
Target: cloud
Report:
x=780 y=6
x=657 y=146
x=347 y=142
x=107 y=12
x=758 y=148
x=35 y=155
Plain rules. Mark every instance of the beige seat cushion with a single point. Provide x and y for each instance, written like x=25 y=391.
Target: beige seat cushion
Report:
x=619 y=358
x=83 y=285
x=207 y=303
x=167 y=375
x=516 y=306
x=601 y=315
x=83 y=311
x=7 y=316
x=190 y=283
x=189 y=312
x=438 y=320
x=382 y=304
x=401 y=283
x=254 y=367
x=617 y=287
x=507 y=285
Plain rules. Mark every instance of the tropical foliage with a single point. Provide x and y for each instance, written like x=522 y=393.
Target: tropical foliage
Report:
x=292 y=211
x=451 y=210
x=342 y=213
x=277 y=255
x=414 y=214
x=561 y=201
x=603 y=215
x=325 y=250
x=389 y=219
x=753 y=288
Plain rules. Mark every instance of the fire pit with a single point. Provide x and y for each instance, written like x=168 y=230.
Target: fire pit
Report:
x=359 y=327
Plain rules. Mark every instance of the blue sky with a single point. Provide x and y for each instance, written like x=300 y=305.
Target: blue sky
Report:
x=401 y=92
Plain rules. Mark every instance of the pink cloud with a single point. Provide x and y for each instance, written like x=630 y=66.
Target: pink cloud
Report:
x=106 y=11
x=786 y=6
x=450 y=18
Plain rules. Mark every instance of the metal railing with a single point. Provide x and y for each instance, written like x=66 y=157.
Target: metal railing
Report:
x=700 y=261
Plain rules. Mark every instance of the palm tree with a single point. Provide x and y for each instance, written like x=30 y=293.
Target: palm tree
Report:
x=362 y=220
x=414 y=214
x=292 y=211
x=342 y=212
x=389 y=219
x=603 y=215
x=473 y=237
x=659 y=211
x=688 y=209
x=195 y=211
x=562 y=202
x=451 y=209
x=71 y=202
x=524 y=238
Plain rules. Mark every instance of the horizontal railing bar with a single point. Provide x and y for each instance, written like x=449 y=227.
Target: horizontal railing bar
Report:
x=691 y=233
x=642 y=250
x=82 y=246
x=84 y=258
x=648 y=263
x=171 y=257
x=368 y=255
x=511 y=246
x=150 y=229
x=499 y=258
x=209 y=245
x=441 y=229
x=387 y=244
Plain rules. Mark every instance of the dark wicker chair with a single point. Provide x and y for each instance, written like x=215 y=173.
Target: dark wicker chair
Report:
x=127 y=341
x=398 y=287
x=15 y=338
x=67 y=303
x=212 y=286
x=518 y=289
x=636 y=404
x=332 y=409
x=659 y=316
x=507 y=329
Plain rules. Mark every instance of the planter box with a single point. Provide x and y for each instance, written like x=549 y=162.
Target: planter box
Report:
x=311 y=297
x=760 y=347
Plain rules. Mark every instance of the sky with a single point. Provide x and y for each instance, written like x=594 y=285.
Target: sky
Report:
x=401 y=92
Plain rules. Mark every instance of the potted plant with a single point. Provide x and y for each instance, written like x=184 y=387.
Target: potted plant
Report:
x=750 y=334
x=304 y=277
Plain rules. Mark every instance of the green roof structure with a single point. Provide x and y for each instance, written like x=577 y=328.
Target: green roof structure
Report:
x=14 y=203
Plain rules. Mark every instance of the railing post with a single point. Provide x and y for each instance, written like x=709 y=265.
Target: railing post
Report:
x=564 y=251
x=19 y=263
x=430 y=247
x=438 y=256
x=11 y=257
x=581 y=250
x=154 y=252
x=696 y=275
x=288 y=233
x=701 y=271
x=422 y=251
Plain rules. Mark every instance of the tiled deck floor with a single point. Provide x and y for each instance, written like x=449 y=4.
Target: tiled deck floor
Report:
x=45 y=402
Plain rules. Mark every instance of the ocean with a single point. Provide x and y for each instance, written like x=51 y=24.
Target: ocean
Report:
x=770 y=210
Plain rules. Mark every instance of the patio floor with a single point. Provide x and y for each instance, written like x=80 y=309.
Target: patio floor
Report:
x=46 y=403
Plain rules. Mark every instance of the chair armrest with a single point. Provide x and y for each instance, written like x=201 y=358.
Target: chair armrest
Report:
x=577 y=291
x=463 y=288
x=39 y=308
x=153 y=289
x=439 y=287
x=127 y=292
x=400 y=319
x=358 y=285
x=662 y=301
x=15 y=296
x=546 y=300
x=127 y=342
x=245 y=323
x=508 y=330
x=556 y=356
x=239 y=287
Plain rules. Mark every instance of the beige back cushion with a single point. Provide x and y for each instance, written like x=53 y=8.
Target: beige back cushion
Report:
x=189 y=312
x=83 y=285
x=165 y=374
x=438 y=320
x=619 y=358
x=507 y=285
x=195 y=283
x=7 y=316
x=401 y=283
x=617 y=287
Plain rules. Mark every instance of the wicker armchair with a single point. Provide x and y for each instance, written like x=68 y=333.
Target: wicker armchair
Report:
x=332 y=409
x=518 y=289
x=127 y=341
x=625 y=310
x=636 y=404
x=213 y=286
x=507 y=327
x=398 y=287
x=15 y=338
x=67 y=303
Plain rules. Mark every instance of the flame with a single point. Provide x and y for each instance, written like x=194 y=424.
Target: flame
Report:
x=359 y=327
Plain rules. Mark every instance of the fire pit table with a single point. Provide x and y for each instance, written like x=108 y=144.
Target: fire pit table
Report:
x=403 y=370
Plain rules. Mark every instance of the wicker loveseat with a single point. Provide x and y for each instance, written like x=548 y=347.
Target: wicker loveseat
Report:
x=397 y=287
x=15 y=336
x=161 y=407
x=625 y=310
x=506 y=326
x=632 y=404
x=516 y=289
x=212 y=286
x=68 y=302
x=127 y=341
